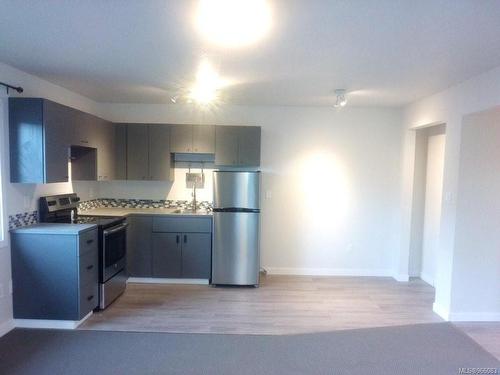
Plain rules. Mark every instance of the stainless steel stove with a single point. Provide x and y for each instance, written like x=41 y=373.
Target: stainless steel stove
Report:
x=112 y=241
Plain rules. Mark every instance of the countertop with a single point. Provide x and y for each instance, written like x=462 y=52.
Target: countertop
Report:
x=54 y=228
x=122 y=212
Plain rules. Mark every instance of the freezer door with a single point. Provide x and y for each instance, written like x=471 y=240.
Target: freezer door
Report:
x=235 y=257
x=236 y=189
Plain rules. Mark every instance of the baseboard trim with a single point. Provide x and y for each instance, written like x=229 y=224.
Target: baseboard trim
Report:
x=156 y=280
x=328 y=271
x=425 y=277
x=475 y=317
x=441 y=311
x=6 y=327
x=401 y=278
x=50 y=324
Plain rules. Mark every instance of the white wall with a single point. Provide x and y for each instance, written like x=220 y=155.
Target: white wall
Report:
x=476 y=264
x=332 y=179
x=23 y=197
x=477 y=94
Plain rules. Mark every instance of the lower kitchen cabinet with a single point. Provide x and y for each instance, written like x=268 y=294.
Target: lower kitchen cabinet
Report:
x=139 y=255
x=54 y=272
x=182 y=255
x=196 y=255
x=167 y=255
x=169 y=247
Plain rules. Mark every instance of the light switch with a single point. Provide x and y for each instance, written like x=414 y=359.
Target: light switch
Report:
x=268 y=194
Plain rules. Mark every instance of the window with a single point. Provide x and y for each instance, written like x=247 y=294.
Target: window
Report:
x=3 y=231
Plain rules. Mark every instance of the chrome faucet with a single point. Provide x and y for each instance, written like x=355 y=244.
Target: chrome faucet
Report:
x=194 y=203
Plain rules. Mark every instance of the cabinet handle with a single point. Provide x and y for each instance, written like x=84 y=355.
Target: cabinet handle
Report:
x=177 y=239
x=90 y=298
x=185 y=238
x=90 y=267
x=89 y=242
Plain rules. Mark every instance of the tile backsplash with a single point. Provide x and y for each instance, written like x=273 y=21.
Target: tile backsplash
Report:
x=23 y=219
x=140 y=203
x=31 y=217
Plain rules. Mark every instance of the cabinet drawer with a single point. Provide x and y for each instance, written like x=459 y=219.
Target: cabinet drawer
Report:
x=89 y=263
x=88 y=242
x=89 y=298
x=182 y=224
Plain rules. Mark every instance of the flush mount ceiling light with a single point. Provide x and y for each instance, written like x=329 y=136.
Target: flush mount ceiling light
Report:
x=233 y=23
x=341 y=99
x=207 y=85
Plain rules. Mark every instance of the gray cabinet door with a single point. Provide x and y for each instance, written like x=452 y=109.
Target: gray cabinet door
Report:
x=196 y=255
x=120 y=152
x=181 y=138
x=204 y=139
x=160 y=159
x=105 y=150
x=139 y=246
x=249 y=146
x=167 y=256
x=226 y=145
x=137 y=152
x=58 y=120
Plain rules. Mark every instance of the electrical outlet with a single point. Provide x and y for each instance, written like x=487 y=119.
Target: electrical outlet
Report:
x=268 y=194
x=10 y=286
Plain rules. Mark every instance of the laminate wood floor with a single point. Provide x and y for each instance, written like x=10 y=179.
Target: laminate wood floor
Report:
x=281 y=305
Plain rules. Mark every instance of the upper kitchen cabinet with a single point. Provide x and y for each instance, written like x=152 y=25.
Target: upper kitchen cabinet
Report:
x=137 y=152
x=160 y=159
x=197 y=139
x=39 y=140
x=204 y=139
x=148 y=152
x=237 y=146
x=120 y=151
x=105 y=144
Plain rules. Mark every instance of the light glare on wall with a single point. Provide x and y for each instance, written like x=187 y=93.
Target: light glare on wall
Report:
x=233 y=23
x=325 y=188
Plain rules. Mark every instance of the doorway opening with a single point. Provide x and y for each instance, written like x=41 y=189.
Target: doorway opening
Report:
x=427 y=201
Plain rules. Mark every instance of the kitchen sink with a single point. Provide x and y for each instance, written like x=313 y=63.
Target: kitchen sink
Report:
x=188 y=211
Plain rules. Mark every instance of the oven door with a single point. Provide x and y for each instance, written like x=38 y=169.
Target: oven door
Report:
x=114 y=250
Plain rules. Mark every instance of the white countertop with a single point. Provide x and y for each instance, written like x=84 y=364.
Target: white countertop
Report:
x=54 y=228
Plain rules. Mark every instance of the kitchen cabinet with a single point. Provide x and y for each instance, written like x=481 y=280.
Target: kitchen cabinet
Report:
x=182 y=247
x=237 y=146
x=139 y=252
x=167 y=255
x=192 y=139
x=204 y=139
x=54 y=274
x=160 y=160
x=182 y=139
x=137 y=152
x=105 y=150
x=120 y=151
x=196 y=255
x=148 y=152
x=38 y=138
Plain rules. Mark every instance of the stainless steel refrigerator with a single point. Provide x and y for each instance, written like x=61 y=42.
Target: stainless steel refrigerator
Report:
x=235 y=251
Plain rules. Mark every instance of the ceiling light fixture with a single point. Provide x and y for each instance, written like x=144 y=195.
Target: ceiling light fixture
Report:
x=206 y=87
x=341 y=99
x=233 y=23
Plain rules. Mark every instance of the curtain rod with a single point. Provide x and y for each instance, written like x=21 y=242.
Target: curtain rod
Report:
x=7 y=87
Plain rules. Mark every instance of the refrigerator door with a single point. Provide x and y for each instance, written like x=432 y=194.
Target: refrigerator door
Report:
x=236 y=258
x=236 y=190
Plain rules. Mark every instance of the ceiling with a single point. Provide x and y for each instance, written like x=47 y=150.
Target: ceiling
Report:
x=384 y=52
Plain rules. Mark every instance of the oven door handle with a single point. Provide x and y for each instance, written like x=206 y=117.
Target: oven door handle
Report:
x=118 y=228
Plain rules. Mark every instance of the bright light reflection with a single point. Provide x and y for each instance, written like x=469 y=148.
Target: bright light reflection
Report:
x=325 y=188
x=208 y=82
x=233 y=23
